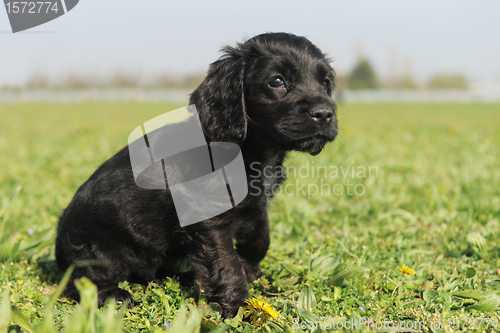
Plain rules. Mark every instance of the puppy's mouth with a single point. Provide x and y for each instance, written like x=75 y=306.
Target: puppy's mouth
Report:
x=315 y=143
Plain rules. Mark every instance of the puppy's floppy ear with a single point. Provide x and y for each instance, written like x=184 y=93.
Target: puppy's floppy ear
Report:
x=220 y=99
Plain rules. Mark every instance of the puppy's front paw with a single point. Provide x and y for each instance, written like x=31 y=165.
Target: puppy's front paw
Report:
x=230 y=311
x=231 y=302
x=118 y=294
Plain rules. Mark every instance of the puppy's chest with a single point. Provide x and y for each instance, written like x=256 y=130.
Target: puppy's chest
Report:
x=266 y=177
x=272 y=175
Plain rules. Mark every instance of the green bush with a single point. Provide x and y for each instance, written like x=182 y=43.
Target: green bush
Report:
x=363 y=76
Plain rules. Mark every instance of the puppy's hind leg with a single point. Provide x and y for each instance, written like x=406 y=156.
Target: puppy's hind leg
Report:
x=106 y=279
x=118 y=294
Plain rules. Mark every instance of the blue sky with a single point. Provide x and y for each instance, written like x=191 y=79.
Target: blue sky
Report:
x=147 y=37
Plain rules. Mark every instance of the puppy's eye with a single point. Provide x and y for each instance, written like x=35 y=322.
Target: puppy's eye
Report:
x=277 y=82
x=326 y=83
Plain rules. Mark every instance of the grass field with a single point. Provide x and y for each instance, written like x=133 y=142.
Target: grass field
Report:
x=429 y=198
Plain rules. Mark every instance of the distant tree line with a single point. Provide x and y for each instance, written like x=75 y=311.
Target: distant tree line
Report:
x=119 y=80
x=363 y=76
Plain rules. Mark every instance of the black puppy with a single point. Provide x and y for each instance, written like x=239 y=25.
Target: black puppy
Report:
x=269 y=95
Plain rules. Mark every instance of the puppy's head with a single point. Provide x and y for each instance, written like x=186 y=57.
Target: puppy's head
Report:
x=273 y=90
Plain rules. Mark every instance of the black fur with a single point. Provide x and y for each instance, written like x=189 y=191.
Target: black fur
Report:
x=130 y=232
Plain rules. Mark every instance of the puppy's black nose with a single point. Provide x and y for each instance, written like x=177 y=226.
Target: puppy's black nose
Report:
x=322 y=114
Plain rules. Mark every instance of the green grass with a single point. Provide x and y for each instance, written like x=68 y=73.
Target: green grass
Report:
x=432 y=203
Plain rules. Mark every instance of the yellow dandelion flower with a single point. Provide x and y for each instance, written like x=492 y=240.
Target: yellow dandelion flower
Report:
x=405 y=270
x=259 y=312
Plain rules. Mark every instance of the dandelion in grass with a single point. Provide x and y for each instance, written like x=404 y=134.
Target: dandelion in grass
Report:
x=259 y=312
x=405 y=270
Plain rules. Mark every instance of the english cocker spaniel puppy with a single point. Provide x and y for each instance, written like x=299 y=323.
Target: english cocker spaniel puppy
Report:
x=269 y=95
